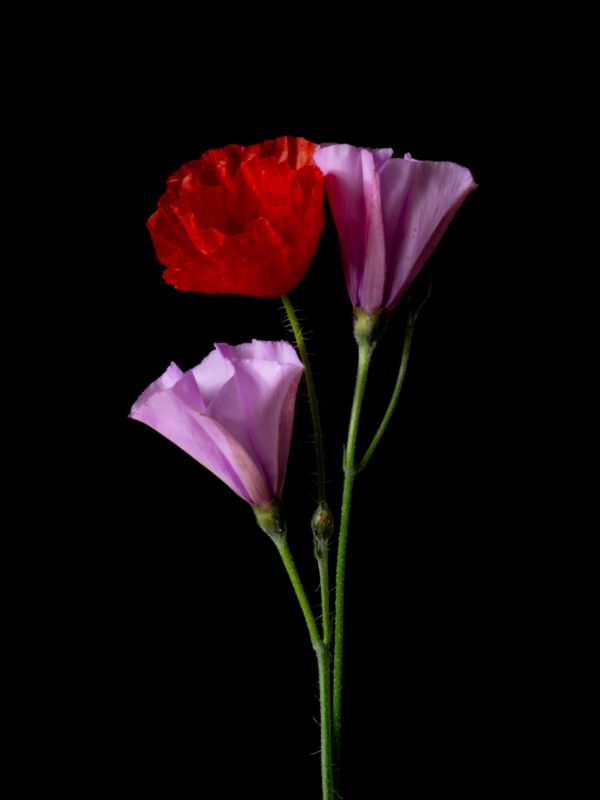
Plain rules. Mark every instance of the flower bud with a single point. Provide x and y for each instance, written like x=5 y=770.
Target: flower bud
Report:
x=322 y=522
x=271 y=519
x=369 y=327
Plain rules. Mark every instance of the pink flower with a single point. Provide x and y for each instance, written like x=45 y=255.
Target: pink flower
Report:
x=390 y=214
x=233 y=413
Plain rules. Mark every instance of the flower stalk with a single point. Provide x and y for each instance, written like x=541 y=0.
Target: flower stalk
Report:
x=411 y=319
x=312 y=394
x=365 y=352
x=322 y=526
x=322 y=522
x=322 y=651
x=408 y=334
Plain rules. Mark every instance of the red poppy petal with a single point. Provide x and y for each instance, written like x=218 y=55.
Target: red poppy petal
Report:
x=241 y=220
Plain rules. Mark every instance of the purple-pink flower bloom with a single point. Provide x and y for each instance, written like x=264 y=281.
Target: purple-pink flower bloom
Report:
x=390 y=214
x=233 y=413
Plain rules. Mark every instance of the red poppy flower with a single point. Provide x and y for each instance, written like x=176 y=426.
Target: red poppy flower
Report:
x=241 y=220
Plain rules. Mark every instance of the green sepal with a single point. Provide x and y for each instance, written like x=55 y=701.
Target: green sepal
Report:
x=271 y=519
x=369 y=327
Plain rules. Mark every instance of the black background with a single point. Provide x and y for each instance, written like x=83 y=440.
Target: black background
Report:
x=176 y=654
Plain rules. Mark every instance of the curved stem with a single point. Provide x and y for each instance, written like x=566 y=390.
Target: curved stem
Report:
x=365 y=351
x=312 y=395
x=320 y=646
x=410 y=323
x=290 y=565
x=322 y=652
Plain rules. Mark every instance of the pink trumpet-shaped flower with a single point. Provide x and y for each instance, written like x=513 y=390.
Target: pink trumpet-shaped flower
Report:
x=233 y=413
x=390 y=214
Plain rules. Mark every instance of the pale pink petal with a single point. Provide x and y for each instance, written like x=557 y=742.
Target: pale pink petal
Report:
x=168 y=379
x=211 y=374
x=281 y=352
x=233 y=413
x=267 y=376
x=231 y=462
x=419 y=199
x=373 y=279
x=211 y=387
x=229 y=409
x=390 y=214
x=205 y=439
x=351 y=191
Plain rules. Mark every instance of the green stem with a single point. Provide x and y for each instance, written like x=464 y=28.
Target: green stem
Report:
x=312 y=395
x=326 y=747
x=321 y=550
x=288 y=561
x=322 y=652
x=410 y=324
x=323 y=561
x=365 y=351
x=321 y=646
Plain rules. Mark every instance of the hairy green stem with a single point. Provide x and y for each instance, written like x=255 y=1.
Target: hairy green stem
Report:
x=323 y=561
x=290 y=565
x=321 y=550
x=365 y=351
x=322 y=652
x=326 y=745
x=312 y=395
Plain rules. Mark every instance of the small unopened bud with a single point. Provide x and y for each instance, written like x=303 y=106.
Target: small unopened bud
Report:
x=322 y=522
x=271 y=519
x=369 y=327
